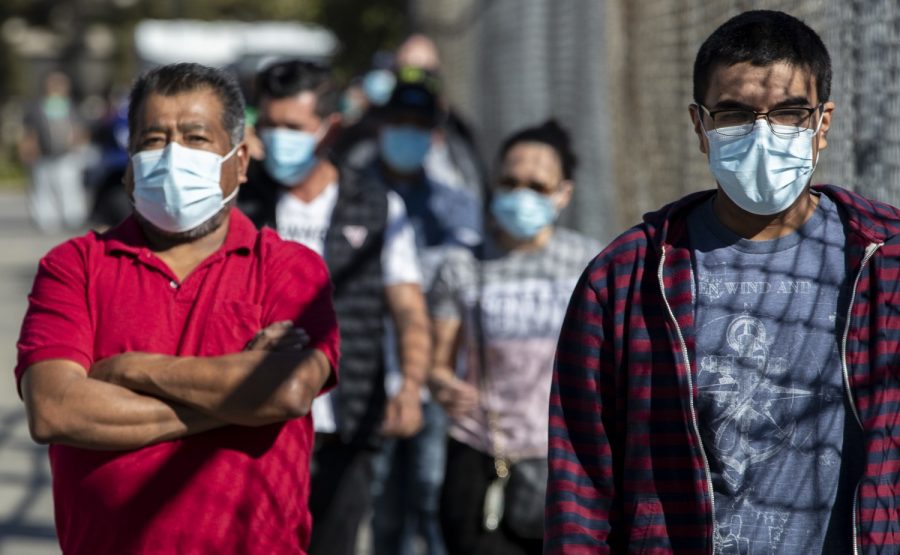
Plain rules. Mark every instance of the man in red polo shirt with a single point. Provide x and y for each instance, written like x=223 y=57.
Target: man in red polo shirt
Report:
x=171 y=362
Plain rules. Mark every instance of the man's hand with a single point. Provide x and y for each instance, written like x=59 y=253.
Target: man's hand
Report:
x=456 y=396
x=403 y=414
x=281 y=337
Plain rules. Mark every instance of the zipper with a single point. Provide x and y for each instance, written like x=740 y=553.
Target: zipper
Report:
x=695 y=425
x=870 y=251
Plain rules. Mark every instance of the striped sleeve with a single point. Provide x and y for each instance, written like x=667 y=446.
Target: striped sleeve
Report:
x=580 y=486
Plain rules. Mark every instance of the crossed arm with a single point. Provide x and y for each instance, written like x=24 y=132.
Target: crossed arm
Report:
x=136 y=399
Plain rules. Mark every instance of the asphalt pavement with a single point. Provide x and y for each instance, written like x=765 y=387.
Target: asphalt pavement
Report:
x=26 y=506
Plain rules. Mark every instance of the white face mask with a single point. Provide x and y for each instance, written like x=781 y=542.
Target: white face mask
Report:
x=178 y=188
x=761 y=172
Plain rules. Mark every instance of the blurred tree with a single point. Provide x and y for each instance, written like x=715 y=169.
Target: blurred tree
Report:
x=363 y=28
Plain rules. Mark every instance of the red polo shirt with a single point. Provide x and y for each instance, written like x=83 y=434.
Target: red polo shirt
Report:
x=232 y=490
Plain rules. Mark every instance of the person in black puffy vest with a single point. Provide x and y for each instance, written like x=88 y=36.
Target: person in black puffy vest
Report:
x=362 y=231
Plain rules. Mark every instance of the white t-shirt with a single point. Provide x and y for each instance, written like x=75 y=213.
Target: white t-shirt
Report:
x=308 y=222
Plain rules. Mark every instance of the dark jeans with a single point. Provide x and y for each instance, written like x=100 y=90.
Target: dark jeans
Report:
x=339 y=495
x=469 y=472
x=408 y=477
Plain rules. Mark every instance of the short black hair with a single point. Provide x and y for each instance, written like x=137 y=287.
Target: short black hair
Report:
x=291 y=77
x=172 y=79
x=763 y=37
x=551 y=134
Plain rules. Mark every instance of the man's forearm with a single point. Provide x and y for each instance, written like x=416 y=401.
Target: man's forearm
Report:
x=415 y=349
x=65 y=407
x=249 y=388
x=410 y=317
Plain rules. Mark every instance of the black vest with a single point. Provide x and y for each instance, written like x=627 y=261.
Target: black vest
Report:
x=353 y=246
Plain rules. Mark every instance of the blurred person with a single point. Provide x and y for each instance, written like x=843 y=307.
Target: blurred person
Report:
x=362 y=231
x=453 y=156
x=171 y=361
x=111 y=203
x=726 y=378
x=497 y=315
x=354 y=103
x=418 y=51
x=363 y=98
x=409 y=472
x=52 y=147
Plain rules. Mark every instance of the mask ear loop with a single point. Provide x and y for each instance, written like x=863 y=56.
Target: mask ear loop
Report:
x=821 y=118
x=230 y=153
x=814 y=137
x=224 y=159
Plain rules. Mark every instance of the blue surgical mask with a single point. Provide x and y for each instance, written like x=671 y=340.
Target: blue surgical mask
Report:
x=403 y=147
x=761 y=172
x=378 y=85
x=522 y=213
x=290 y=154
x=178 y=188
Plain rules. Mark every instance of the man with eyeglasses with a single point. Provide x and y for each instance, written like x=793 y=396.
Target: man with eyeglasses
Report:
x=726 y=376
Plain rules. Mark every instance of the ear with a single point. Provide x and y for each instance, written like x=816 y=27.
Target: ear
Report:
x=128 y=180
x=698 y=128
x=821 y=136
x=243 y=158
x=564 y=196
x=335 y=124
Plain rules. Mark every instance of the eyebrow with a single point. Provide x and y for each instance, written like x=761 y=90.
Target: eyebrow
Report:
x=193 y=126
x=189 y=126
x=786 y=103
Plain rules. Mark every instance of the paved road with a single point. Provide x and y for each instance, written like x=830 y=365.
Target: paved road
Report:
x=26 y=509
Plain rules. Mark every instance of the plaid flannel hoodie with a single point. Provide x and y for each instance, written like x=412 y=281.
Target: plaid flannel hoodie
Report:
x=628 y=472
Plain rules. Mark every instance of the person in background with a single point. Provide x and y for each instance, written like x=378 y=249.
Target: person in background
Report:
x=171 y=361
x=497 y=315
x=726 y=378
x=409 y=472
x=361 y=230
x=452 y=158
x=111 y=203
x=51 y=147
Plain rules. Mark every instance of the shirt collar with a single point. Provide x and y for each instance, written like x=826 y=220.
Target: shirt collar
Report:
x=128 y=238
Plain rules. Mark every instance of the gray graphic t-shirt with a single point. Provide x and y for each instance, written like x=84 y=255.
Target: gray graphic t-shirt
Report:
x=518 y=300
x=771 y=400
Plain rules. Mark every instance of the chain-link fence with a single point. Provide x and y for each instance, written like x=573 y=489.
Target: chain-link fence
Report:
x=618 y=74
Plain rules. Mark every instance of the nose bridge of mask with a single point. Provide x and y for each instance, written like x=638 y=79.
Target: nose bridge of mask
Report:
x=532 y=202
x=199 y=162
x=289 y=145
x=409 y=132
x=181 y=158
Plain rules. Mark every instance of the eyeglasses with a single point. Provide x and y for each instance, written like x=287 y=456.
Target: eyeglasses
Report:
x=784 y=122
x=509 y=182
